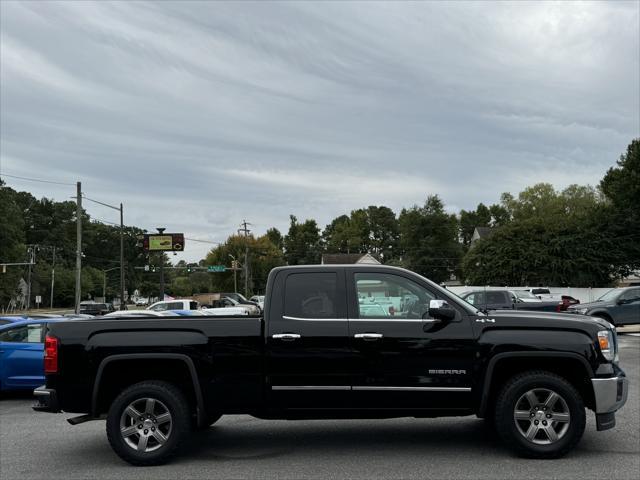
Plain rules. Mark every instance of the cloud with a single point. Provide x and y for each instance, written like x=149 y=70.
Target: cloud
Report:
x=199 y=115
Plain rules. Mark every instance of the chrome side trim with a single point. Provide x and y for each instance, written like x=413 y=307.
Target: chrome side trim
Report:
x=314 y=319
x=310 y=387
x=390 y=319
x=391 y=389
x=416 y=389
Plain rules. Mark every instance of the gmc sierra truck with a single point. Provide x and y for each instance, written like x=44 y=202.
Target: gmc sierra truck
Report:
x=337 y=342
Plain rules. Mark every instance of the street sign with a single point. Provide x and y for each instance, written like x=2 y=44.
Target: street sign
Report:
x=166 y=242
x=38 y=299
x=216 y=268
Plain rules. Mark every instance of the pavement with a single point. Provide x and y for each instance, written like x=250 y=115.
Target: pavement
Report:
x=44 y=446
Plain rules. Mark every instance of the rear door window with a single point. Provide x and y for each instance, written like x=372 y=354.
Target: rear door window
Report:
x=311 y=295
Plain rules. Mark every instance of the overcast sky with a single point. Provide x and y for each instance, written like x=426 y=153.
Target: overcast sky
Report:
x=197 y=115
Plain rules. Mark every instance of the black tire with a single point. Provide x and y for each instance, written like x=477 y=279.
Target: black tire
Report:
x=167 y=397
x=512 y=432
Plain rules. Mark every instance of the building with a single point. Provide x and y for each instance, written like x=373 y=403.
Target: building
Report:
x=348 y=259
x=479 y=233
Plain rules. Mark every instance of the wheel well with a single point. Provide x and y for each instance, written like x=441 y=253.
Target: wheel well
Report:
x=120 y=374
x=573 y=370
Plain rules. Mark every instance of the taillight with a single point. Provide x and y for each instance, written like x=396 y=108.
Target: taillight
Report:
x=50 y=354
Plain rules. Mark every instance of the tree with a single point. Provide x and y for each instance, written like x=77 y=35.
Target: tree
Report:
x=621 y=188
x=373 y=230
x=429 y=240
x=12 y=243
x=264 y=255
x=302 y=243
x=554 y=238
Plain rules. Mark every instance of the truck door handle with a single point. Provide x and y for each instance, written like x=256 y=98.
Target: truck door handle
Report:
x=368 y=336
x=287 y=337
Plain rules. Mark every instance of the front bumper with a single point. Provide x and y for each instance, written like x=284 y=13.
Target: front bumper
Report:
x=47 y=400
x=610 y=394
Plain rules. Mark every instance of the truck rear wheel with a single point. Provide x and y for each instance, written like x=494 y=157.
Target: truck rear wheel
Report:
x=147 y=422
x=540 y=415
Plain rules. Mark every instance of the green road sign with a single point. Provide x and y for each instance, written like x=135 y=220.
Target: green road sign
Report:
x=216 y=268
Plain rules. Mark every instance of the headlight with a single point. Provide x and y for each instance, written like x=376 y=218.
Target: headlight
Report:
x=607 y=344
x=581 y=310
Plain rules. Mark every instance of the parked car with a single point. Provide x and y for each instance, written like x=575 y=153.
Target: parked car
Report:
x=139 y=313
x=225 y=311
x=509 y=300
x=141 y=302
x=545 y=295
x=21 y=353
x=6 y=320
x=251 y=308
x=93 y=308
x=620 y=306
x=174 y=305
x=259 y=300
x=317 y=354
x=238 y=297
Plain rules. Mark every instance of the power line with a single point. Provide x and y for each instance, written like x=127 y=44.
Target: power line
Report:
x=36 y=179
x=202 y=241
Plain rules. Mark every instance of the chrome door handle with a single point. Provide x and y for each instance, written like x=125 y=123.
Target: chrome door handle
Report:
x=287 y=337
x=368 y=336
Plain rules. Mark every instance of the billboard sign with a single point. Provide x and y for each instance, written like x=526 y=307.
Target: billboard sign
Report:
x=165 y=242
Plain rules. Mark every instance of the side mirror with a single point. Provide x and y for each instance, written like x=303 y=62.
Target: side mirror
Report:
x=441 y=310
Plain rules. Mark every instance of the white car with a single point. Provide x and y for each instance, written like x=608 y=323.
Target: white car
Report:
x=250 y=308
x=137 y=313
x=184 y=304
x=224 y=311
x=259 y=299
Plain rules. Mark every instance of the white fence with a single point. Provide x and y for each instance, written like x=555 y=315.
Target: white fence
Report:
x=585 y=295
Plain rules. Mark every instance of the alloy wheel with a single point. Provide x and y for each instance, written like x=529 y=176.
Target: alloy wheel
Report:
x=542 y=416
x=145 y=425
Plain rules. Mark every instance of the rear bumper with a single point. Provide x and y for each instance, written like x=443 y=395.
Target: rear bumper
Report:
x=47 y=400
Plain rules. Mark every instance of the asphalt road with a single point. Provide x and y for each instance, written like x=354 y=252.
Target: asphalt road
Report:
x=34 y=446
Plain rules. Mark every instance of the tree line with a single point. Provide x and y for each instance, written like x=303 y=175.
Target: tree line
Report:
x=580 y=236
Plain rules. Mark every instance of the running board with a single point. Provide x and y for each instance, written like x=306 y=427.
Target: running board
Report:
x=81 y=419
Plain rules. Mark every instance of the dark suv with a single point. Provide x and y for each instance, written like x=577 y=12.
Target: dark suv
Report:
x=91 y=308
x=620 y=306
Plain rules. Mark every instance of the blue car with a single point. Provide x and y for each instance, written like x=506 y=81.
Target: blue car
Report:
x=6 y=320
x=22 y=352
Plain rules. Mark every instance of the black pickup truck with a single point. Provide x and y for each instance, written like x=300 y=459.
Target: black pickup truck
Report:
x=337 y=342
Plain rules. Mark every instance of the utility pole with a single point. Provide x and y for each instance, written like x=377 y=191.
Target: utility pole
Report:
x=246 y=255
x=78 y=245
x=122 y=305
x=32 y=259
x=53 y=275
x=161 y=231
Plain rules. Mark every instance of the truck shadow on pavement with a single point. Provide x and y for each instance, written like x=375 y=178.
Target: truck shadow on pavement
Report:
x=256 y=439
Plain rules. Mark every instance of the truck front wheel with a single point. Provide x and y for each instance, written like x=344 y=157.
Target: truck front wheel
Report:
x=147 y=422
x=540 y=415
